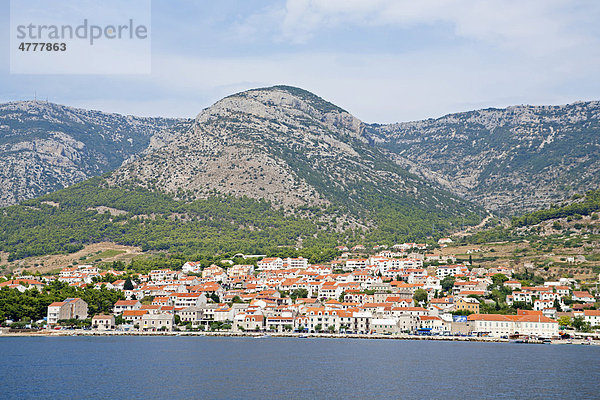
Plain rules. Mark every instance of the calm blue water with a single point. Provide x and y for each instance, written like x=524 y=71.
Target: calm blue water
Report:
x=275 y=368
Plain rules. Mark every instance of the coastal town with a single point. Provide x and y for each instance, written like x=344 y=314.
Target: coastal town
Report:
x=403 y=290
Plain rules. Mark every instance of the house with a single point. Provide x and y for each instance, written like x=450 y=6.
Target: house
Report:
x=355 y=263
x=383 y=326
x=539 y=305
x=450 y=270
x=497 y=325
x=467 y=304
x=213 y=271
x=123 y=305
x=71 y=308
x=182 y=300
x=192 y=267
x=432 y=324
x=514 y=285
x=157 y=322
x=583 y=296
x=103 y=322
x=407 y=323
x=135 y=316
x=321 y=318
x=299 y=262
x=279 y=324
x=253 y=322
x=24 y=283
x=193 y=315
x=240 y=270
x=269 y=264
x=592 y=316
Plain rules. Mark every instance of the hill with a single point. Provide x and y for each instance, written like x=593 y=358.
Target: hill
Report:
x=45 y=147
x=258 y=170
x=510 y=161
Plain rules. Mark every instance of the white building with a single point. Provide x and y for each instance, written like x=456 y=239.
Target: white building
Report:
x=497 y=325
x=269 y=264
x=157 y=322
x=103 y=322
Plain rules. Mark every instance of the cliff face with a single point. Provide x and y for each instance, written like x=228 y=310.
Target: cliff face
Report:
x=509 y=160
x=45 y=147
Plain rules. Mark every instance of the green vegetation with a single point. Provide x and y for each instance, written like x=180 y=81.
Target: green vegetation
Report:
x=590 y=204
x=109 y=253
x=210 y=226
x=217 y=225
x=420 y=296
x=33 y=304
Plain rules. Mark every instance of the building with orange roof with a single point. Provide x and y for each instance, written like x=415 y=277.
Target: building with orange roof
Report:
x=70 y=308
x=497 y=325
x=123 y=305
x=134 y=316
x=25 y=283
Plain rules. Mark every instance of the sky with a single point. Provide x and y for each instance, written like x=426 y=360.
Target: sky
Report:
x=382 y=60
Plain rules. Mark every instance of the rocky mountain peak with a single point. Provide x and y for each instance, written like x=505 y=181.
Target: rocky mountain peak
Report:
x=285 y=104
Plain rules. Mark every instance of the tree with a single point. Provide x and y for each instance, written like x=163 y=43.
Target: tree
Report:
x=177 y=320
x=237 y=299
x=499 y=279
x=557 y=305
x=299 y=294
x=420 y=296
x=564 y=321
x=128 y=285
x=580 y=324
x=331 y=329
x=448 y=283
x=318 y=327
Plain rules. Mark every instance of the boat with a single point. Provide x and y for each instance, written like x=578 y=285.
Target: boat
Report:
x=262 y=337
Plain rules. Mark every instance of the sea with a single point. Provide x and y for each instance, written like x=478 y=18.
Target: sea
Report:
x=292 y=368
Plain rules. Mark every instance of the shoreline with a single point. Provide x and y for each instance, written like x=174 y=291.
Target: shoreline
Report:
x=261 y=335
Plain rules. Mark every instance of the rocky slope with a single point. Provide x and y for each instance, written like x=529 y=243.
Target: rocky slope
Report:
x=257 y=171
x=45 y=147
x=291 y=148
x=509 y=160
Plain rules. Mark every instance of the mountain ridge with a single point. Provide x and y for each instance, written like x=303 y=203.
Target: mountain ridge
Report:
x=261 y=169
x=510 y=160
x=46 y=146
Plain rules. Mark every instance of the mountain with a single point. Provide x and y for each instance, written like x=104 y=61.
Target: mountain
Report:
x=510 y=160
x=45 y=147
x=293 y=149
x=257 y=170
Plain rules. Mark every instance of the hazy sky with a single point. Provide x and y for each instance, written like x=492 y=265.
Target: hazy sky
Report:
x=383 y=61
